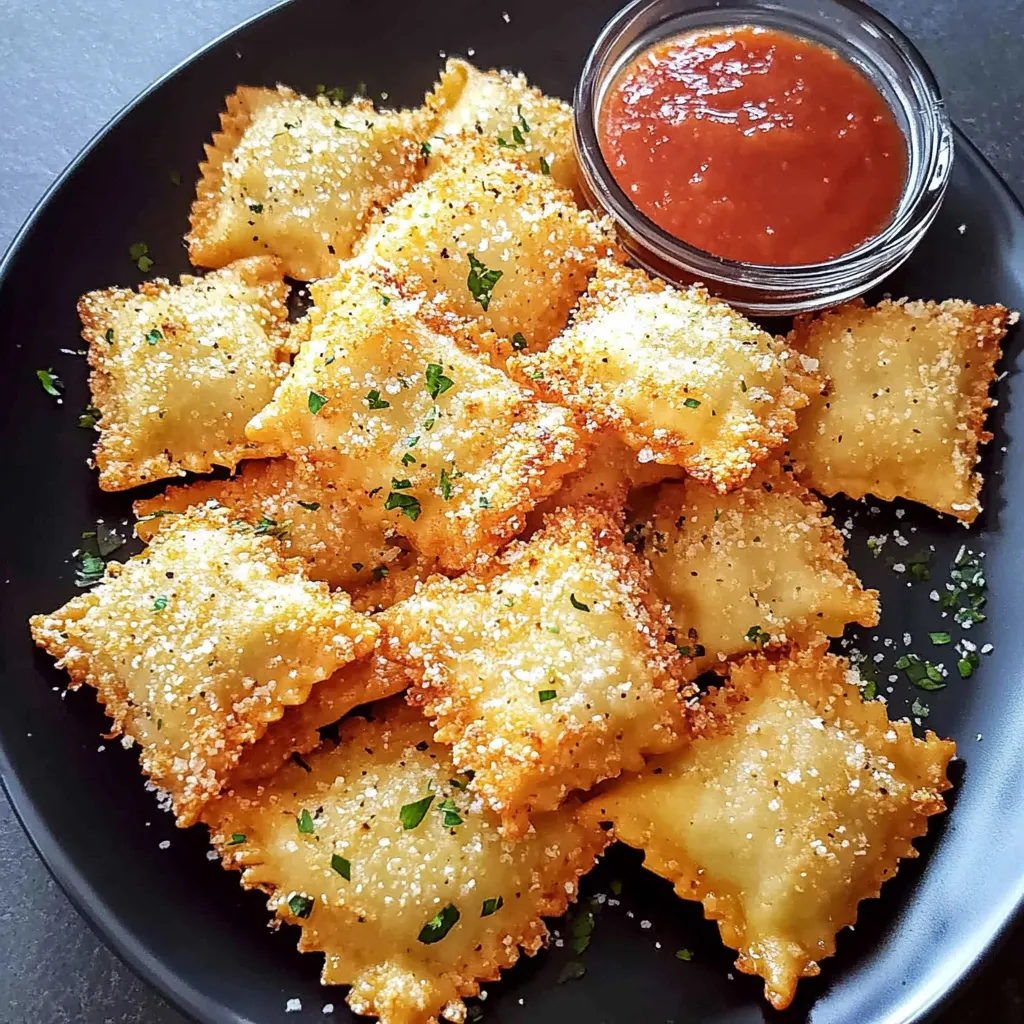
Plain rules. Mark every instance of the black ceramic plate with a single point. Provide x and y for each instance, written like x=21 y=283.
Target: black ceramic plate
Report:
x=181 y=921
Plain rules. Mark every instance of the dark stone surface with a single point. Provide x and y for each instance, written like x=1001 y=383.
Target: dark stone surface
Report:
x=65 y=69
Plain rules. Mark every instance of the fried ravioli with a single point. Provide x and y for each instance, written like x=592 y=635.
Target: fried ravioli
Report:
x=439 y=445
x=547 y=668
x=195 y=646
x=299 y=178
x=395 y=873
x=799 y=805
x=179 y=369
x=680 y=377
x=905 y=413
x=762 y=564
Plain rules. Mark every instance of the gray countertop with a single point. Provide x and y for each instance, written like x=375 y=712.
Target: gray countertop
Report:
x=65 y=69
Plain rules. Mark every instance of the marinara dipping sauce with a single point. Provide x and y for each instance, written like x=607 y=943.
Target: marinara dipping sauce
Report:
x=754 y=145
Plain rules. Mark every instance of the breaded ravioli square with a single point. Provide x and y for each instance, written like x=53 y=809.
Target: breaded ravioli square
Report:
x=761 y=565
x=680 y=377
x=179 y=369
x=798 y=804
x=547 y=668
x=310 y=515
x=905 y=412
x=509 y=113
x=439 y=445
x=395 y=873
x=299 y=178
x=195 y=646
x=494 y=242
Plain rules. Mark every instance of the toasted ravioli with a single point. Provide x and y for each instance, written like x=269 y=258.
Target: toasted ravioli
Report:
x=395 y=873
x=548 y=668
x=299 y=178
x=762 y=564
x=800 y=804
x=179 y=369
x=506 y=111
x=197 y=645
x=444 y=447
x=312 y=517
x=680 y=377
x=495 y=243
x=906 y=409
x=297 y=731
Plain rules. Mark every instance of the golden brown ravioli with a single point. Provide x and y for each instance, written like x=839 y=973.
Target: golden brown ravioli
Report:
x=195 y=646
x=799 y=804
x=179 y=369
x=395 y=873
x=762 y=564
x=299 y=178
x=905 y=412
x=547 y=668
x=439 y=445
x=680 y=377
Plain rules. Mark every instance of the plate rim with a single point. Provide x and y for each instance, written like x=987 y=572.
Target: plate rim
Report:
x=176 y=990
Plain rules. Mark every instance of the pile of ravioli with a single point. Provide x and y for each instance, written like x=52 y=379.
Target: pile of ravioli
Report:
x=511 y=498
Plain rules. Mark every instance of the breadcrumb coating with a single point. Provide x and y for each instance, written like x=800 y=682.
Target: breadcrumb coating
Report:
x=547 y=668
x=799 y=804
x=905 y=412
x=179 y=369
x=760 y=565
x=436 y=443
x=300 y=178
x=680 y=377
x=195 y=646
x=412 y=905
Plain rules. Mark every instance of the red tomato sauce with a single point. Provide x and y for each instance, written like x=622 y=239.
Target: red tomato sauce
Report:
x=754 y=145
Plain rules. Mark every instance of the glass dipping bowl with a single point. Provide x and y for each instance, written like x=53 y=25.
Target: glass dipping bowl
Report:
x=857 y=33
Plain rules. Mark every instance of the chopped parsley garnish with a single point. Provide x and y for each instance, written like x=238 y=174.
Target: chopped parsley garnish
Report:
x=581 y=930
x=691 y=403
x=412 y=814
x=430 y=419
x=374 y=401
x=138 y=253
x=425 y=149
x=380 y=572
x=446 y=484
x=683 y=954
x=578 y=605
x=491 y=905
x=305 y=822
x=408 y=459
x=108 y=540
x=90 y=417
x=439 y=925
x=481 y=281
x=237 y=838
x=256 y=207
x=109 y=335
x=449 y=813
x=301 y=906
x=518 y=342
x=615 y=886
x=917 y=566
x=923 y=674
x=939 y=639
x=545 y=695
x=400 y=485
x=157 y=514
x=154 y=336
x=436 y=382
x=316 y=402
x=545 y=167
x=52 y=384
x=411 y=443
x=335 y=95
x=405 y=503
x=869 y=691
x=967 y=664
x=160 y=603
x=967 y=617
x=90 y=570
x=385 y=300
x=342 y=866
x=919 y=709
x=271 y=527
x=756 y=635
x=484 y=501
x=310 y=506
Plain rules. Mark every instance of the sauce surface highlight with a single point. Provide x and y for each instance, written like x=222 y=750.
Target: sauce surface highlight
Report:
x=754 y=145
